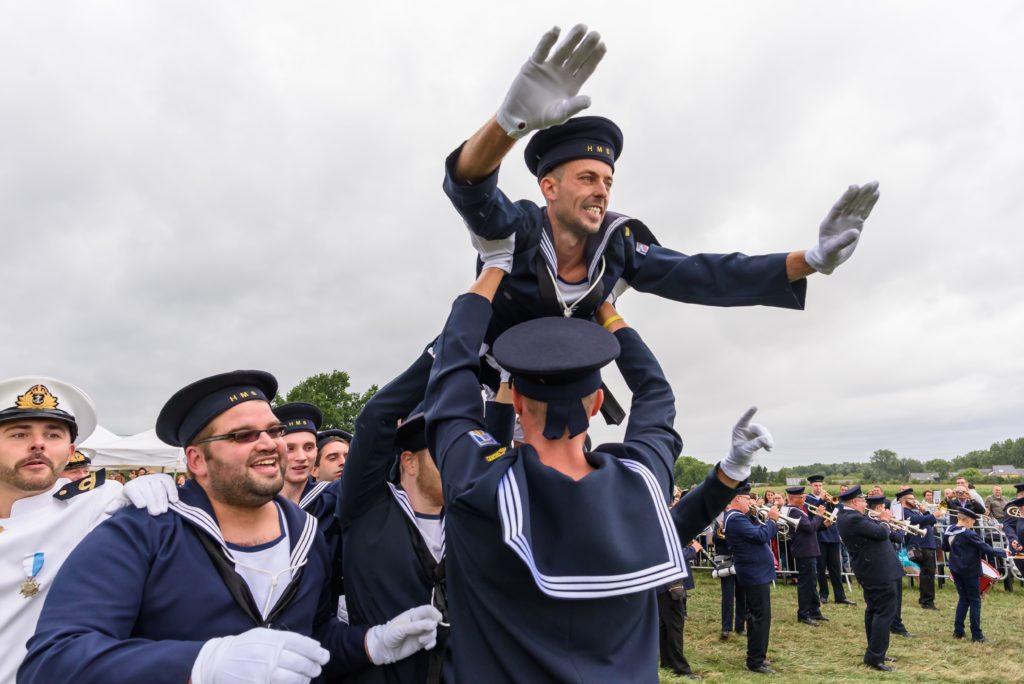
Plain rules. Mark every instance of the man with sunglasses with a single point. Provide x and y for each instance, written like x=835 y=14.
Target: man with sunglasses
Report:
x=230 y=585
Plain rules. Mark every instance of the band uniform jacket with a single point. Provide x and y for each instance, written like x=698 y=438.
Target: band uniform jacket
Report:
x=872 y=555
x=803 y=541
x=749 y=543
x=964 y=549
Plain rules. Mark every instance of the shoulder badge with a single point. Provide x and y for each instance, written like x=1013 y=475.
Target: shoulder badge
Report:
x=86 y=484
x=482 y=438
x=496 y=455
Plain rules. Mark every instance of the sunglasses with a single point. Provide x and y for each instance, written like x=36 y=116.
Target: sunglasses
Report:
x=247 y=436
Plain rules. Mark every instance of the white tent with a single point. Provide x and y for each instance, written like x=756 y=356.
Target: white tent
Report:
x=143 y=449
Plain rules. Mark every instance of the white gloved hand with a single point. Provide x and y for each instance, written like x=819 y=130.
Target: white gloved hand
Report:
x=747 y=438
x=495 y=253
x=545 y=92
x=840 y=231
x=153 y=492
x=403 y=635
x=259 y=656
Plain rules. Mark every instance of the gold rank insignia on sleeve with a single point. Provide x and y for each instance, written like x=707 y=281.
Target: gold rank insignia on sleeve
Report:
x=86 y=484
x=496 y=455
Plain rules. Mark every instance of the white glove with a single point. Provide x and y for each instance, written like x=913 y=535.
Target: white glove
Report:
x=545 y=92
x=495 y=253
x=152 y=492
x=259 y=656
x=747 y=438
x=403 y=635
x=840 y=231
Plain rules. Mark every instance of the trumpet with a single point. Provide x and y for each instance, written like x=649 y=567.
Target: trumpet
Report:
x=823 y=512
x=901 y=525
x=785 y=522
x=834 y=500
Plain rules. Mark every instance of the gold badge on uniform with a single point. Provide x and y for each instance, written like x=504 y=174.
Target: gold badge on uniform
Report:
x=38 y=397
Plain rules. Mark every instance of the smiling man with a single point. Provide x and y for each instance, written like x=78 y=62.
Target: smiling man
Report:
x=574 y=253
x=230 y=585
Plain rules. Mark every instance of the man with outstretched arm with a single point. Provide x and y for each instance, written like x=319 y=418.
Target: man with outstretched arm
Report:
x=573 y=253
x=553 y=553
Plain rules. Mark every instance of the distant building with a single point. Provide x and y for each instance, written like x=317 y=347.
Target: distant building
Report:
x=1003 y=471
x=924 y=477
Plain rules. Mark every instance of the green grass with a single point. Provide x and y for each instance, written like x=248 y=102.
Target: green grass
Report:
x=834 y=651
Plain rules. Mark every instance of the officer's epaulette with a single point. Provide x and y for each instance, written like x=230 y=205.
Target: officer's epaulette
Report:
x=86 y=484
x=636 y=229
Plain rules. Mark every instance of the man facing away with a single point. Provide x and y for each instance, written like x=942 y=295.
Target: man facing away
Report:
x=553 y=553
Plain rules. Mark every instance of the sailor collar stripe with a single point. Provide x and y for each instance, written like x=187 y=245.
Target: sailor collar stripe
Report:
x=403 y=502
x=311 y=496
x=547 y=247
x=510 y=511
x=205 y=522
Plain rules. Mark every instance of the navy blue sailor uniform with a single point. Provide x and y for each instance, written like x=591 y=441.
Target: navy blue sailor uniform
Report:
x=320 y=500
x=552 y=579
x=140 y=595
x=1013 y=528
x=964 y=550
x=384 y=574
x=749 y=544
x=623 y=249
x=877 y=568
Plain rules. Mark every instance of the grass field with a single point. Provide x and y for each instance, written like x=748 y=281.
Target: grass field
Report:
x=834 y=651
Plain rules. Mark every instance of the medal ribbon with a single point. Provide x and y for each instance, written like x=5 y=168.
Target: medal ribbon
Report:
x=32 y=564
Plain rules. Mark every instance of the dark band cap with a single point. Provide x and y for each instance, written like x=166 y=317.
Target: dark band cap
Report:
x=557 y=360
x=811 y=479
x=412 y=434
x=875 y=500
x=583 y=137
x=904 y=492
x=193 y=407
x=968 y=512
x=1019 y=501
x=795 y=490
x=743 y=489
x=1019 y=487
x=325 y=435
x=78 y=460
x=851 y=493
x=299 y=417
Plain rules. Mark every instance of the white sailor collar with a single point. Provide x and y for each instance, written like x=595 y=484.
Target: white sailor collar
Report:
x=614 y=564
x=405 y=505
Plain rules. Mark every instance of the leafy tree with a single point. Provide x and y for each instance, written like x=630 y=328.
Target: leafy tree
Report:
x=759 y=473
x=330 y=392
x=689 y=471
x=885 y=465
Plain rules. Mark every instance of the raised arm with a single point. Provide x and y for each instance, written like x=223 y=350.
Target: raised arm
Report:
x=373 y=446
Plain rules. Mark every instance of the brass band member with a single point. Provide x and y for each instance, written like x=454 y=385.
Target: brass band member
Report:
x=877 y=568
x=921 y=550
x=829 y=543
x=804 y=547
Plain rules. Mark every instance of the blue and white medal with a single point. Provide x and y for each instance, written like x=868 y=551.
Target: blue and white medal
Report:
x=32 y=564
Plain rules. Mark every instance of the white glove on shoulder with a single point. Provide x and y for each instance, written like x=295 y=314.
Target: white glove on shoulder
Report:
x=403 y=635
x=495 y=253
x=153 y=492
x=839 y=233
x=546 y=91
x=259 y=656
x=747 y=438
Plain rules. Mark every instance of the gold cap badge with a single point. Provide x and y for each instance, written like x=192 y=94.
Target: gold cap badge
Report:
x=38 y=397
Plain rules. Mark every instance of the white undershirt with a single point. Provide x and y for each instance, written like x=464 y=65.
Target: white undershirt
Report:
x=266 y=568
x=431 y=527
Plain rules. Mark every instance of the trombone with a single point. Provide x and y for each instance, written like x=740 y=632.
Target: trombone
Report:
x=822 y=512
x=901 y=525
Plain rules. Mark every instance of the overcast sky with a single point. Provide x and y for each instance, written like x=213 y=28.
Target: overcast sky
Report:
x=192 y=187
